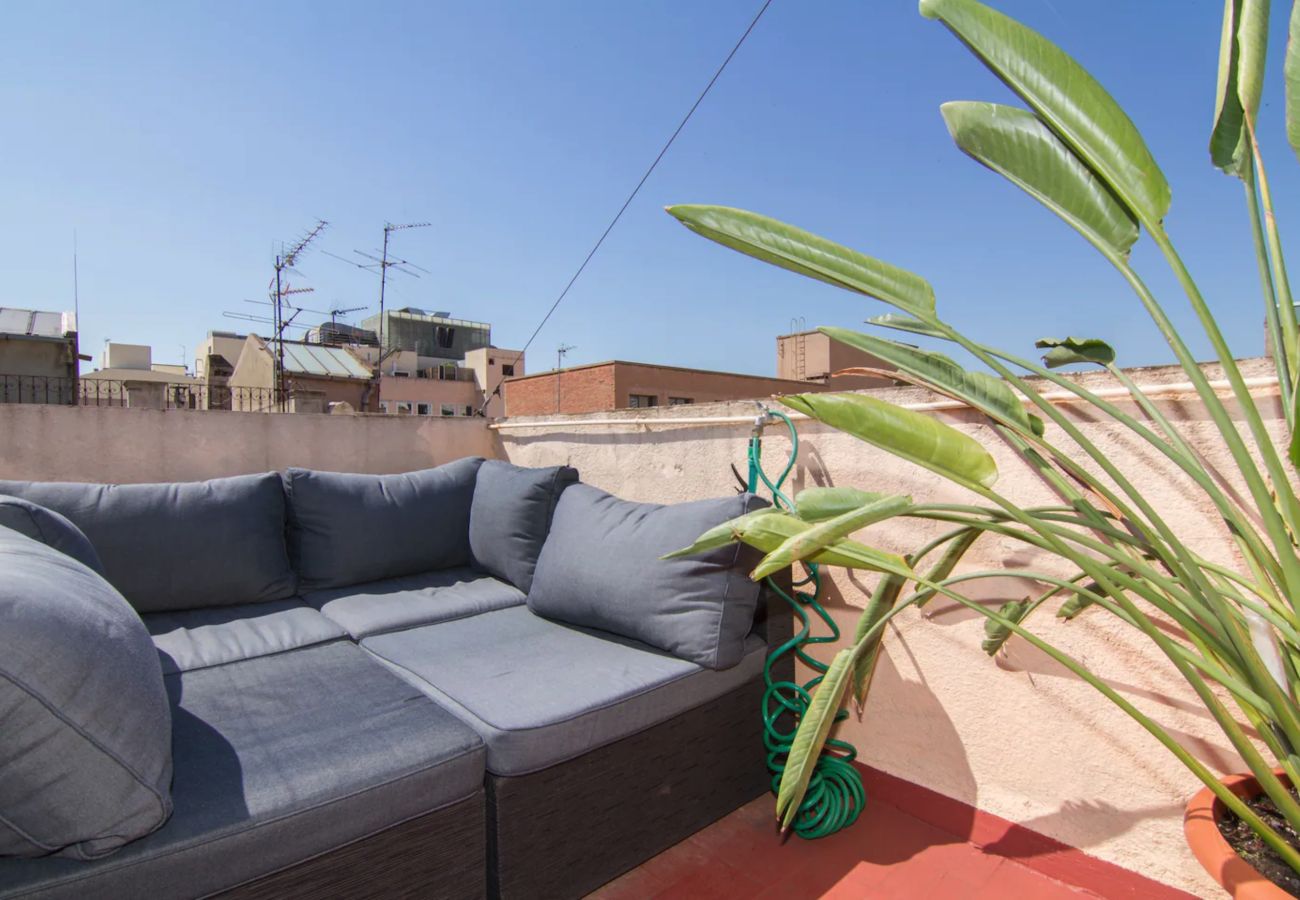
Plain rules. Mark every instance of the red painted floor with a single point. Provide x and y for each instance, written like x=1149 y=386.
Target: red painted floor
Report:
x=885 y=854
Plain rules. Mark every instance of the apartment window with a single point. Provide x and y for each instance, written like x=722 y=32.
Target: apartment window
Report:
x=422 y=409
x=383 y=406
x=641 y=401
x=469 y=410
x=680 y=401
x=448 y=409
x=507 y=371
x=404 y=408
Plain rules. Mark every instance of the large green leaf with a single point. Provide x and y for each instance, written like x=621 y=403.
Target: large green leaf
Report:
x=1291 y=72
x=982 y=391
x=804 y=252
x=817 y=538
x=1077 y=602
x=1242 y=48
x=906 y=323
x=905 y=433
x=814 y=727
x=1065 y=96
x=996 y=633
x=880 y=602
x=1017 y=145
x=767 y=529
x=957 y=548
x=728 y=532
x=1293 y=451
x=771 y=533
x=1065 y=351
x=819 y=504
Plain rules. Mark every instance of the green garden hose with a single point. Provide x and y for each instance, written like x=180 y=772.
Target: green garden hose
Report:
x=835 y=795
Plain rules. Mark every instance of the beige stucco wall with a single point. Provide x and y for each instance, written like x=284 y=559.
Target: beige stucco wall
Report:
x=1018 y=737
x=62 y=443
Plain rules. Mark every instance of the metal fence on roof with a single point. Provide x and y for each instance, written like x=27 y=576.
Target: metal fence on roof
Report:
x=51 y=390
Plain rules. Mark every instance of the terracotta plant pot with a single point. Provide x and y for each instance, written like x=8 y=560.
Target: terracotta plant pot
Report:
x=1201 y=825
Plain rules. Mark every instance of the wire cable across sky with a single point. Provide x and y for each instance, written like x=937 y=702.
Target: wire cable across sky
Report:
x=632 y=196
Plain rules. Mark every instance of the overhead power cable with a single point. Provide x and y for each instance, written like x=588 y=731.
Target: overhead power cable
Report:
x=632 y=196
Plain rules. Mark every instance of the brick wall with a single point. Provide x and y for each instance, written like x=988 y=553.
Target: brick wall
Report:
x=588 y=389
x=608 y=386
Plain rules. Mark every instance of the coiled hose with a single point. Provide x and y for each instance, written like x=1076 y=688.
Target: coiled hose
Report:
x=835 y=794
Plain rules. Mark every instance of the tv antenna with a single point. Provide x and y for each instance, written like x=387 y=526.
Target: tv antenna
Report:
x=285 y=262
x=335 y=312
x=560 y=352
x=382 y=263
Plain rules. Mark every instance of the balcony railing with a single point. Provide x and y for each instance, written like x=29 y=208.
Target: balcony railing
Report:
x=53 y=390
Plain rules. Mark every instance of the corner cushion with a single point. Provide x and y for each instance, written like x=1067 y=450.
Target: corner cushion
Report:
x=511 y=516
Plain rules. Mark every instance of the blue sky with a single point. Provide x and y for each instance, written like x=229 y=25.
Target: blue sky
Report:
x=184 y=141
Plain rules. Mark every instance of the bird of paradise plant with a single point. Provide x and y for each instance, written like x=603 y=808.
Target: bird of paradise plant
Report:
x=1073 y=149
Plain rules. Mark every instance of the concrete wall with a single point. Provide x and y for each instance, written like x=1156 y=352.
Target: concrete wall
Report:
x=1018 y=737
x=56 y=443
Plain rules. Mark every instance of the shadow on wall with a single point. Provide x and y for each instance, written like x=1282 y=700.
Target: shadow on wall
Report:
x=937 y=761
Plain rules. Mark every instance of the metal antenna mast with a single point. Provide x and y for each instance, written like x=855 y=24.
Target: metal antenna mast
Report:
x=382 y=264
x=560 y=352
x=285 y=261
x=385 y=263
x=76 y=291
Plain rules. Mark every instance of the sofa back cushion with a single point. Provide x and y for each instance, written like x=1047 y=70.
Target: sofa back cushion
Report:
x=348 y=529
x=50 y=528
x=85 y=725
x=601 y=568
x=182 y=545
x=511 y=515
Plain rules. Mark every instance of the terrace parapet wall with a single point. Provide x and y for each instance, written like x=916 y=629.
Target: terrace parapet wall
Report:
x=1019 y=736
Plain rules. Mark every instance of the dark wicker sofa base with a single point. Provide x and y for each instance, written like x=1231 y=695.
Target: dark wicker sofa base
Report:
x=566 y=830
x=439 y=856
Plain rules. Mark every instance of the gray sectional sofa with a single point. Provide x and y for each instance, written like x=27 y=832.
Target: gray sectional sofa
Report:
x=475 y=680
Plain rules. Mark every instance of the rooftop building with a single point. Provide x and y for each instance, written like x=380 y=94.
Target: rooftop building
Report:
x=618 y=384
x=429 y=334
x=316 y=378
x=39 y=359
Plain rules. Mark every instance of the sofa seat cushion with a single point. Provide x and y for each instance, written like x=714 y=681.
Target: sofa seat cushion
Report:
x=349 y=529
x=183 y=545
x=277 y=759
x=396 y=603
x=540 y=692
x=198 y=638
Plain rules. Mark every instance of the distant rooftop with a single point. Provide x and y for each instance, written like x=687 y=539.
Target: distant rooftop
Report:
x=36 y=323
x=414 y=312
x=319 y=360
